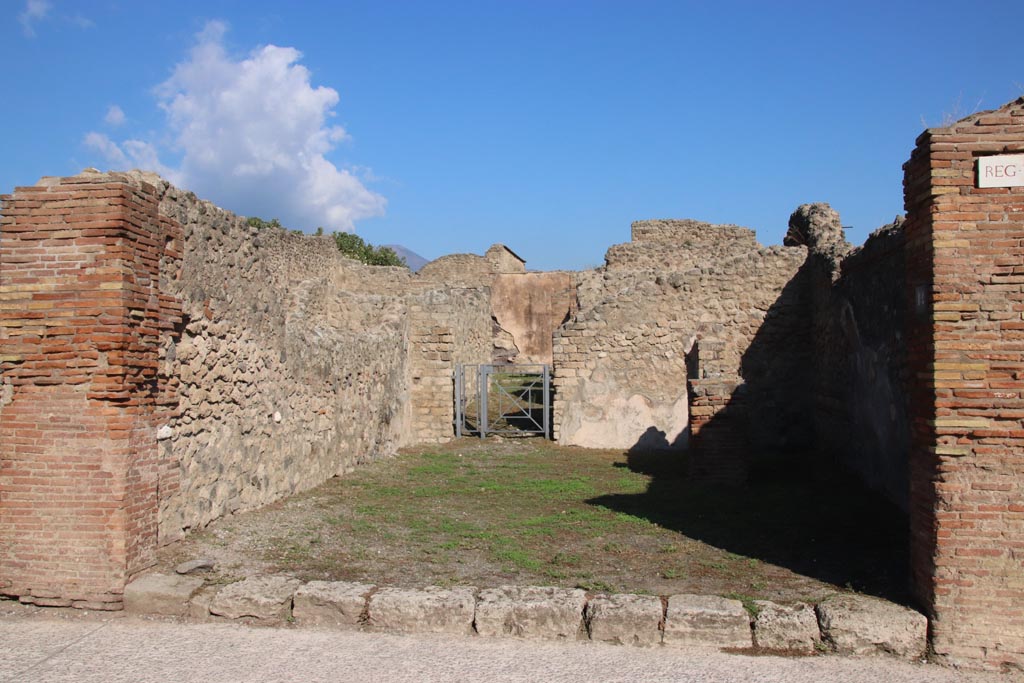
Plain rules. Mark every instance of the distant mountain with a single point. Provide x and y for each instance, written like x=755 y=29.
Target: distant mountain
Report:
x=412 y=259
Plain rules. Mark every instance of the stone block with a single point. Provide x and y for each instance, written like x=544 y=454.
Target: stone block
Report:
x=199 y=605
x=266 y=598
x=860 y=625
x=331 y=603
x=706 y=620
x=789 y=628
x=427 y=610
x=160 y=594
x=626 y=619
x=192 y=566
x=530 y=612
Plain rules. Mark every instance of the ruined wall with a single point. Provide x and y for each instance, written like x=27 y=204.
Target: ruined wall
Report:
x=621 y=365
x=859 y=379
x=530 y=307
x=467 y=270
x=526 y=307
x=965 y=272
x=291 y=369
x=504 y=260
x=164 y=364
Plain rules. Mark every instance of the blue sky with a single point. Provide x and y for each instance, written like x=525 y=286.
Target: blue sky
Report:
x=546 y=125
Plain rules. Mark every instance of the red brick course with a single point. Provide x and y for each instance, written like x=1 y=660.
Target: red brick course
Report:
x=81 y=316
x=965 y=272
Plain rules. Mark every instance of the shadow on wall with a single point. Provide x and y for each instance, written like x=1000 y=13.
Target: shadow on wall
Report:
x=654 y=440
x=751 y=483
x=765 y=411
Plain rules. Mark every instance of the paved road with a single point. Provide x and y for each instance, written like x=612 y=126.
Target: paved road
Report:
x=53 y=647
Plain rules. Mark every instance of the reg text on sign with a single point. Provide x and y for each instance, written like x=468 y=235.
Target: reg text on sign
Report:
x=1006 y=170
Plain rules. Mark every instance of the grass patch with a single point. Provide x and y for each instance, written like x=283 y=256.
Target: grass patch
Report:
x=491 y=513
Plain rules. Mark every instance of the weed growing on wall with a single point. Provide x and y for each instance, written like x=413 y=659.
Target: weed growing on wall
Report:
x=349 y=244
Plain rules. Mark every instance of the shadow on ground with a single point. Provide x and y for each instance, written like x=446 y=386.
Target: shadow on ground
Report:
x=820 y=524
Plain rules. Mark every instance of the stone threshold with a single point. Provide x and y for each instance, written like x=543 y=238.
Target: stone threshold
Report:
x=846 y=624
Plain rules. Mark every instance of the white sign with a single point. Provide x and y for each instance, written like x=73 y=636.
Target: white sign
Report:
x=1006 y=170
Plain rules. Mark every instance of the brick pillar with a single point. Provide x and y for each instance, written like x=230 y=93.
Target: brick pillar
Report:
x=718 y=423
x=965 y=271
x=718 y=443
x=81 y=317
x=431 y=379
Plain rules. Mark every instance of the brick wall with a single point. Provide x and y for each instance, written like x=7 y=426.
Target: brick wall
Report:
x=163 y=364
x=965 y=271
x=80 y=321
x=446 y=328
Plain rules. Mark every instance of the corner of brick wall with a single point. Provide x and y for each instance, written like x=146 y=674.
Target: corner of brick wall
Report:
x=965 y=274
x=718 y=422
x=81 y=320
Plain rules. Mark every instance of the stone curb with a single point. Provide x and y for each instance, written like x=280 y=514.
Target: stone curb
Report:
x=845 y=624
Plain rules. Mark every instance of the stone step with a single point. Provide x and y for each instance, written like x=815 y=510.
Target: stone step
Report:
x=847 y=624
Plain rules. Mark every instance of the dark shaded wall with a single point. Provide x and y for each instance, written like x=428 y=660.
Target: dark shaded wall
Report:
x=858 y=385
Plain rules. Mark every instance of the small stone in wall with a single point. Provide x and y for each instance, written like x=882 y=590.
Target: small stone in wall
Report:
x=277 y=416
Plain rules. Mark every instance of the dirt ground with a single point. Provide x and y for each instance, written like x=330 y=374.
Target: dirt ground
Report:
x=523 y=511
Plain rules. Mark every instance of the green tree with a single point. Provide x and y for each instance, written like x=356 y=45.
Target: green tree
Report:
x=260 y=224
x=353 y=246
x=348 y=243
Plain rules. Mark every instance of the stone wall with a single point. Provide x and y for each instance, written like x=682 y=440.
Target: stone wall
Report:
x=965 y=296
x=526 y=308
x=164 y=364
x=447 y=328
x=504 y=260
x=290 y=368
x=468 y=270
x=859 y=379
x=621 y=365
x=530 y=307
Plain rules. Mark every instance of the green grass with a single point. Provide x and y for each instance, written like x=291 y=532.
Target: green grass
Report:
x=489 y=513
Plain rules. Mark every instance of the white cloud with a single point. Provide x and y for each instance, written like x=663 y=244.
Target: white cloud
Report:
x=35 y=10
x=115 y=116
x=130 y=154
x=253 y=135
x=108 y=148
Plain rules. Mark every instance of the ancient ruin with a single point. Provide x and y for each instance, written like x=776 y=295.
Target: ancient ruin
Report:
x=163 y=364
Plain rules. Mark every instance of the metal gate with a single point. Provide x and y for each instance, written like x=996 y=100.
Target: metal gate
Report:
x=502 y=399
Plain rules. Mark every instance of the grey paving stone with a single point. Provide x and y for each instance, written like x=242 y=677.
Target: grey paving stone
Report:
x=160 y=594
x=861 y=625
x=625 y=619
x=427 y=610
x=789 y=628
x=331 y=603
x=706 y=620
x=266 y=598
